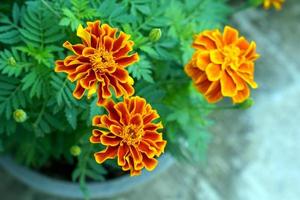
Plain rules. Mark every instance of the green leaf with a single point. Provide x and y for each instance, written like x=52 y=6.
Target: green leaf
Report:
x=39 y=26
x=142 y=70
x=75 y=174
x=7 y=127
x=150 y=51
x=13 y=63
x=37 y=82
x=11 y=96
x=63 y=91
x=9 y=33
x=71 y=115
x=94 y=110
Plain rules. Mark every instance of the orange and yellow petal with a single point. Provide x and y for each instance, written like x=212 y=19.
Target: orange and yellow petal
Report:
x=276 y=3
x=222 y=65
x=98 y=63
x=131 y=135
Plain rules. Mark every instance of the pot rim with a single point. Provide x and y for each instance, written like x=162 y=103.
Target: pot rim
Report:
x=66 y=189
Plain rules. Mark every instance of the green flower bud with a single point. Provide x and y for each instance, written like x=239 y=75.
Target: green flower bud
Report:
x=20 y=115
x=246 y=104
x=75 y=150
x=12 y=61
x=155 y=34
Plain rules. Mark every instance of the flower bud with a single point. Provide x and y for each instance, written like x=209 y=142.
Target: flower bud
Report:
x=20 y=115
x=75 y=150
x=246 y=104
x=12 y=61
x=155 y=34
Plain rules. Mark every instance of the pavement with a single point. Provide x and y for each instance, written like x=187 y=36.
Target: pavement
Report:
x=254 y=154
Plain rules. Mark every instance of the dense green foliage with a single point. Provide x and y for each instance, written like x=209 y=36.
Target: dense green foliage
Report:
x=31 y=37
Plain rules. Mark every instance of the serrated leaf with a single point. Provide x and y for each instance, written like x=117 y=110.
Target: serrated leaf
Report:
x=142 y=70
x=71 y=115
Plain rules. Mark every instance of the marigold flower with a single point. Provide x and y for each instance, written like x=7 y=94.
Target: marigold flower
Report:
x=276 y=3
x=223 y=65
x=99 y=63
x=129 y=133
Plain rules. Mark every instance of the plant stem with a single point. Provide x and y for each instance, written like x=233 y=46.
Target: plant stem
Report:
x=51 y=9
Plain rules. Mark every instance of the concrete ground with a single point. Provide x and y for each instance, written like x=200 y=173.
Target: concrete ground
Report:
x=255 y=153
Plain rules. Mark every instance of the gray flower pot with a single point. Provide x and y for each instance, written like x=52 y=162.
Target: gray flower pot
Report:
x=107 y=189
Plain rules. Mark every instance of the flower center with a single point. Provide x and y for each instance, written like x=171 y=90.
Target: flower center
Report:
x=231 y=54
x=132 y=134
x=102 y=61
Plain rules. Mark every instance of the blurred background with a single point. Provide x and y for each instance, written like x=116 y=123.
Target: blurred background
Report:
x=255 y=153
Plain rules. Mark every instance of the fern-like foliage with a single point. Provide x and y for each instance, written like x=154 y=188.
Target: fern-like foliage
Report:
x=87 y=167
x=37 y=82
x=13 y=62
x=11 y=96
x=113 y=12
x=44 y=121
x=142 y=70
x=9 y=33
x=8 y=127
x=40 y=32
x=39 y=26
x=187 y=142
x=63 y=91
x=77 y=12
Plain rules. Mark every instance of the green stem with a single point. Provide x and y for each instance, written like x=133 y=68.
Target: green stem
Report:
x=38 y=119
x=49 y=7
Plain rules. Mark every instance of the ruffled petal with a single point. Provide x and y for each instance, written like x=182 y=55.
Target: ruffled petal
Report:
x=150 y=163
x=136 y=155
x=77 y=48
x=203 y=41
x=122 y=152
x=121 y=75
x=203 y=59
x=150 y=117
x=147 y=149
x=119 y=43
x=110 y=107
x=216 y=57
x=123 y=113
x=213 y=72
x=78 y=91
x=110 y=140
x=136 y=120
x=123 y=51
x=84 y=35
x=242 y=95
x=228 y=87
x=125 y=61
x=230 y=35
x=248 y=78
x=88 y=51
x=109 y=153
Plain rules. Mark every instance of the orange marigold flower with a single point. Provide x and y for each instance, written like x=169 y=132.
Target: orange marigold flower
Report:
x=129 y=133
x=276 y=3
x=223 y=65
x=99 y=63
